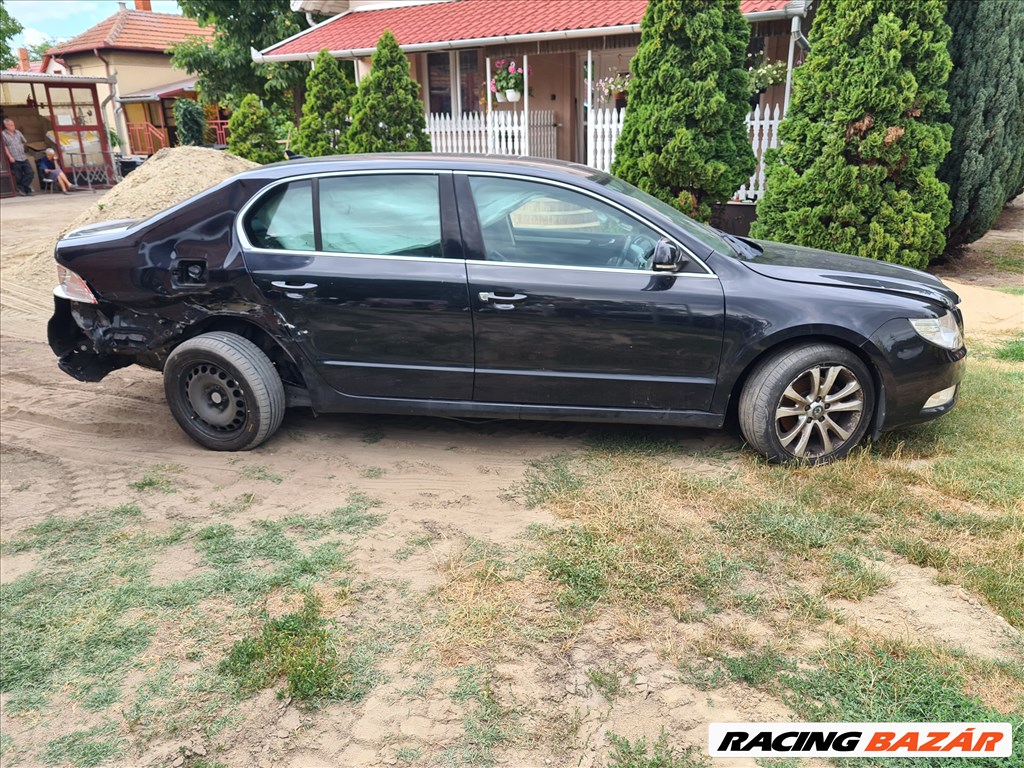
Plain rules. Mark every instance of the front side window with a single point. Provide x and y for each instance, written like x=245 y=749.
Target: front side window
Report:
x=283 y=220
x=384 y=215
x=533 y=223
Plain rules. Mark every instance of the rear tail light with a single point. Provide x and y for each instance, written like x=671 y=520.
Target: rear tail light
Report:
x=71 y=287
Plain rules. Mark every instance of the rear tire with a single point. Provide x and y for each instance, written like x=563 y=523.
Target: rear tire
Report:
x=809 y=404
x=223 y=391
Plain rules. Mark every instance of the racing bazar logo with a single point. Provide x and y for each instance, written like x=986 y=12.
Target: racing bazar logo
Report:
x=860 y=739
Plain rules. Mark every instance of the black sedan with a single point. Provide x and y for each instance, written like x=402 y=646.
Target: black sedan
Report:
x=499 y=288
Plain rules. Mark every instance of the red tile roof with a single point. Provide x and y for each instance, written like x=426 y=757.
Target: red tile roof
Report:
x=135 y=31
x=471 y=20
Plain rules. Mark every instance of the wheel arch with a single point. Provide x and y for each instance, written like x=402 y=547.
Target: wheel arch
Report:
x=819 y=337
x=288 y=367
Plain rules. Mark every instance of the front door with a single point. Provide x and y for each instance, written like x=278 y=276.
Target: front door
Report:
x=568 y=312
x=357 y=265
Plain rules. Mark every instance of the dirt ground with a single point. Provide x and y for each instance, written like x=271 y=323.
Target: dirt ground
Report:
x=69 y=448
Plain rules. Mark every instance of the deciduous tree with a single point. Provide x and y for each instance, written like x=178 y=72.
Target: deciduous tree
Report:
x=224 y=65
x=190 y=122
x=864 y=135
x=387 y=114
x=9 y=27
x=684 y=139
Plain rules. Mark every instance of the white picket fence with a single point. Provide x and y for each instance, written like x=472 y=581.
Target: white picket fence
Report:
x=762 y=127
x=504 y=134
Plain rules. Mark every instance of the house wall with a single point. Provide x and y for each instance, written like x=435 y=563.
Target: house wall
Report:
x=135 y=71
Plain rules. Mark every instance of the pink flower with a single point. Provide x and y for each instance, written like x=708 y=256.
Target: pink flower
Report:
x=499 y=63
x=520 y=70
x=494 y=88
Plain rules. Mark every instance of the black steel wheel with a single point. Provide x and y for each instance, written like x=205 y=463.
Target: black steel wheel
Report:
x=224 y=391
x=809 y=404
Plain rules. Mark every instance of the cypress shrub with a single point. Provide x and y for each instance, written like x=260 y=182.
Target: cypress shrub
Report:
x=252 y=132
x=985 y=167
x=387 y=114
x=684 y=139
x=190 y=121
x=325 y=113
x=864 y=136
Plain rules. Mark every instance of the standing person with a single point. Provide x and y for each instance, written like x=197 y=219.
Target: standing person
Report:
x=14 y=149
x=48 y=167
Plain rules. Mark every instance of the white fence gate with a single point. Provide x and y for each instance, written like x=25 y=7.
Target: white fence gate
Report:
x=762 y=127
x=504 y=134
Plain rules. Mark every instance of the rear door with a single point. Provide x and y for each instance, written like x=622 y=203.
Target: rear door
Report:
x=366 y=267
x=567 y=309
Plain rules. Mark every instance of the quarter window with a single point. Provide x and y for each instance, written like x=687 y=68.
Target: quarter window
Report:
x=533 y=223
x=284 y=219
x=389 y=214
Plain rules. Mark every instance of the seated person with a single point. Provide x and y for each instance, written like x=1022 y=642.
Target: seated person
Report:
x=48 y=169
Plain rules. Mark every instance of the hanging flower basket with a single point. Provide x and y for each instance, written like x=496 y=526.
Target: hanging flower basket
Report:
x=513 y=95
x=499 y=96
x=509 y=80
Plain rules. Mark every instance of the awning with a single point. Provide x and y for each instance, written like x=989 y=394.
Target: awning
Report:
x=168 y=91
x=52 y=79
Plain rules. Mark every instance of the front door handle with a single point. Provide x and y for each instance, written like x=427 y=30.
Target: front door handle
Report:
x=501 y=300
x=284 y=285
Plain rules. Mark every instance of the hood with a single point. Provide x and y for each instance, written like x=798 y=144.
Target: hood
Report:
x=102 y=228
x=796 y=264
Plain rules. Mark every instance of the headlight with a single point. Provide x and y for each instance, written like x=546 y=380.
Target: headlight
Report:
x=940 y=331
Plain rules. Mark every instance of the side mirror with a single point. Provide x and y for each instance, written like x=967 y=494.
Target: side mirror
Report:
x=668 y=257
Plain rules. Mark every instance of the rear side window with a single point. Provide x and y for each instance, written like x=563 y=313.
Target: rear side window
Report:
x=385 y=215
x=284 y=219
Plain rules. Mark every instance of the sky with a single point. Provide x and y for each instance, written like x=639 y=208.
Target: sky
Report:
x=63 y=19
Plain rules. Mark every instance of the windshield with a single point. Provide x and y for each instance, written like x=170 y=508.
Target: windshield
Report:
x=695 y=229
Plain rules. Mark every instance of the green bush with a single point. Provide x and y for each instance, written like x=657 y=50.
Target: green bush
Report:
x=325 y=113
x=191 y=122
x=985 y=167
x=252 y=133
x=387 y=114
x=684 y=139
x=863 y=137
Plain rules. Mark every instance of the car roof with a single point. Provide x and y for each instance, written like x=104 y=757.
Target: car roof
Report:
x=533 y=166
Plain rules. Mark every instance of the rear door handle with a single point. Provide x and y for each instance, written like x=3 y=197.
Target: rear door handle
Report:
x=284 y=285
x=501 y=300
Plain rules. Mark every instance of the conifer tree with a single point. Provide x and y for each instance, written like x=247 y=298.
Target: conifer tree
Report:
x=684 y=139
x=985 y=167
x=387 y=114
x=252 y=132
x=190 y=122
x=324 y=125
x=863 y=138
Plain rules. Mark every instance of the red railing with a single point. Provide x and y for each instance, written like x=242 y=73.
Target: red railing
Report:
x=146 y=138
x=219 y=130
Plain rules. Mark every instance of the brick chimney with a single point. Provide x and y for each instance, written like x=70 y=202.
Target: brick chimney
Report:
x=143 y=5
x=23 y=64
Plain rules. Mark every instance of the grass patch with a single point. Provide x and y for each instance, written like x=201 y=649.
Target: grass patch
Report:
x=297 y=648
x=851 y=578
x=1011 y=289
x=259 y=472
x=487 y=725
x=1009 y=260
x=414 y=543
x=241 y=503
x=659 y=754
x=84 y=748
x=897 y=682
x=1013 y=349
x=607 y=683
x=158 y=478
x=353 y=518
x=374 y=472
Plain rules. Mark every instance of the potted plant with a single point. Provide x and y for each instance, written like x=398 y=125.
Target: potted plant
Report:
x=614 y=87
x=508 y=80
x=763 y=75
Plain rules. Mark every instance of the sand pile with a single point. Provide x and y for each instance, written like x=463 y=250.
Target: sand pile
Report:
x=167 y=178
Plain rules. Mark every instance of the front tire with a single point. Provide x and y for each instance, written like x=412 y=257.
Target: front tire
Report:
x=809 y=404
x=223 y=391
